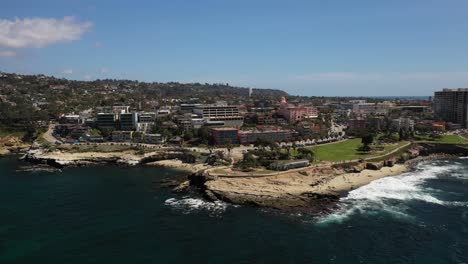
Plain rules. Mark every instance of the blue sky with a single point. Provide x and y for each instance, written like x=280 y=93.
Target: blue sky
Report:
x=333 y=47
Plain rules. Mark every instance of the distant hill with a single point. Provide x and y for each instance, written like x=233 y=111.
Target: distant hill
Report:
x=158 y=89
x=29 y=98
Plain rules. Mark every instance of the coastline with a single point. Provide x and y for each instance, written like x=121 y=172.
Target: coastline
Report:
x=343 y=183
x=309 y=189
x=179 y=165
x=313 y=188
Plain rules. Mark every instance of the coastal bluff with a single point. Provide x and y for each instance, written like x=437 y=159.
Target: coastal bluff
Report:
x=315 y=188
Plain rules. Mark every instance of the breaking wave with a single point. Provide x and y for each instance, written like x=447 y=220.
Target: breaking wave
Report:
x=188 y=205
x=389 y=194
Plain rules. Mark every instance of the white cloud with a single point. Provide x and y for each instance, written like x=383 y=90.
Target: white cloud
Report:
x=40 y=32
x=67 y=71
x=87 y=77
x=104 y=71
x=7 y=53
x=98 y=45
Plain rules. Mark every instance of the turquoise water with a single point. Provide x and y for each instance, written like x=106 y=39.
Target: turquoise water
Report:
x=123 y=215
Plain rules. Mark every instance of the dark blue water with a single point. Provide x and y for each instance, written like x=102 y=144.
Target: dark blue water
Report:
x=122 y=215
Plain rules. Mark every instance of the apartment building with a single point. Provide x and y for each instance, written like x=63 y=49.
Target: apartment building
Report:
x=451 y=105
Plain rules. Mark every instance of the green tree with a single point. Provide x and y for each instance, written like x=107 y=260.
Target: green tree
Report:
x=367 y=139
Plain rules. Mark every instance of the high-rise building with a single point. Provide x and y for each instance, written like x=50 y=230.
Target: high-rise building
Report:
x=451 y=105
x=128 y=121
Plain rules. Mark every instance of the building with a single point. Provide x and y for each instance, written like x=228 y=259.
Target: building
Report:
x=451 y=105
x=273 y=135
x=163 y=112
x=122 y=136
x=128 y=121
x=415 y=109
x=119 y=109
x=146 y=117
x=226 y=113
x=95 y=139
x=453 y=126
x=197 y=122
x=184 y=121
x=106 y=120
x=372 y=108
x=70 y=119
x=376 y=123
x=288 y=165
x=188 y=107
x=306 y=129
x=113 y=109
x=225 y=135
x=357 y=124
x=145 y=127
x=438 y=126
x=404 y=124
x=80 y=132
x=294 y=113
x=153 y=139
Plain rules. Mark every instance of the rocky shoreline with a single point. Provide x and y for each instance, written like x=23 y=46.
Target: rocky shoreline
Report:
x=59 y=159
x=12 y=145
x=314 y=189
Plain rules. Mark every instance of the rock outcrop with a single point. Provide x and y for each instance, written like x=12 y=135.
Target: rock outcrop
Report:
x=128 y=158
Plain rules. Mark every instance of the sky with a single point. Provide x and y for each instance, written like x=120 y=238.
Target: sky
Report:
x=310 y=47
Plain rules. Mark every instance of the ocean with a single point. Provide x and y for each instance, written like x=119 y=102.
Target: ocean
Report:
x=123 y=215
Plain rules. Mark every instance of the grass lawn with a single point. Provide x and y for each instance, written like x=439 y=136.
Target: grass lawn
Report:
x=347 y=150
x=445 y=139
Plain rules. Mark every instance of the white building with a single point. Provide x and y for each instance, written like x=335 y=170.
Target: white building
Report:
x=404 y=124
x=226 y=113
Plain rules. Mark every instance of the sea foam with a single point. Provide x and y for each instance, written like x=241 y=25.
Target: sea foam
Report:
x=389 y=194
x=188 y=205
